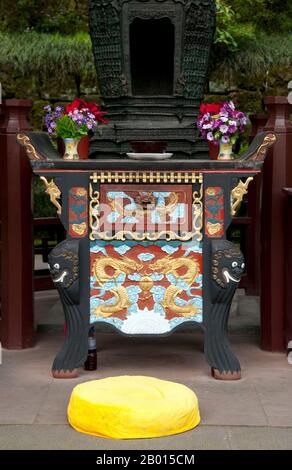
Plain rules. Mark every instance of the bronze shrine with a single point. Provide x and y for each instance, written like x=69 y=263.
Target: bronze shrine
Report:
x=152 y=62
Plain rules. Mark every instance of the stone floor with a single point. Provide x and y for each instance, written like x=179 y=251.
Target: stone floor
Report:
x=253 y=413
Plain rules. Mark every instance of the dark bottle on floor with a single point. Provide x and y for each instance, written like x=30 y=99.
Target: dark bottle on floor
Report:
x=91 y=361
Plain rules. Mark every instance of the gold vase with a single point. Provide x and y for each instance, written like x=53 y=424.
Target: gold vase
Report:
x=225 y=152
x=71 y=152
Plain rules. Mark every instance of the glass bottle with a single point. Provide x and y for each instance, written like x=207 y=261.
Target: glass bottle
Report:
x=91 y=361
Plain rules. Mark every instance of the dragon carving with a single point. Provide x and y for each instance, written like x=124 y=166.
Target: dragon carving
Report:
x=105 y=269
x=182 y=268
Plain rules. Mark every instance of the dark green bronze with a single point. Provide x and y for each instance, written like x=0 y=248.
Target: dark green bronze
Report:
x=152 y=62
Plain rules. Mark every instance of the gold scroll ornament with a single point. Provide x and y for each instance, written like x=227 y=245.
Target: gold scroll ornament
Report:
x=269 y=140
x=237 y=194
x=30 y=150
x=54 y=192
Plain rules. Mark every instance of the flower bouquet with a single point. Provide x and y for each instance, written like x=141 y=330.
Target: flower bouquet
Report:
x=73 y=123
x=222 y=124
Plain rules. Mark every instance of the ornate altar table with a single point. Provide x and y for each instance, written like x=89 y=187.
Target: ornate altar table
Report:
x=146 y=248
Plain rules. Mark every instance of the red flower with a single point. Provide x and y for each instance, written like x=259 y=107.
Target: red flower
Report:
x=92 y=107
x=212 y=108
x=95 y=109
x=76 y=104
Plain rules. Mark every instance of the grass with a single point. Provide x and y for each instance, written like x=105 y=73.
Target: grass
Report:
x=41 y=55
x=256 y=58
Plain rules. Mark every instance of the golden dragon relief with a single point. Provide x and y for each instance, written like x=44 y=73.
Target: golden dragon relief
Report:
x=107 y=268
x=172 y=266
x=121 y=301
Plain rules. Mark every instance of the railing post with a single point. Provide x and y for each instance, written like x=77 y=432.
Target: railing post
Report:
x=258 y=122
x=276 y=175
x=288 y=266
x=16 y=219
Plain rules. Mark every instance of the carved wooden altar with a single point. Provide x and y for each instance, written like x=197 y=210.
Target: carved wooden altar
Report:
x=146 y=249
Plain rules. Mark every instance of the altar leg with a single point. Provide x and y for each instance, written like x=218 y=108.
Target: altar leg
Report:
x=224 y=364
x=226 y=270
x=75 y=347
x=64 y=267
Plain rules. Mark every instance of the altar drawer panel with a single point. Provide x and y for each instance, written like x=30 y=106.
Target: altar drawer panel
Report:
x=146 y=208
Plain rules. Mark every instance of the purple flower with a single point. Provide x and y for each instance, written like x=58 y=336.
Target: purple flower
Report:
x=228 y=123
x=232 y=129
x=217 y=123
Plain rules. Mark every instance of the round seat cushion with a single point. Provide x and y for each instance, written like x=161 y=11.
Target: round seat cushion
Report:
x=131 y=407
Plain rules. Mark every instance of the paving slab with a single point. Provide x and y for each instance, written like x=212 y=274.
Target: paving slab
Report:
x=255 y=412
x=63 y=437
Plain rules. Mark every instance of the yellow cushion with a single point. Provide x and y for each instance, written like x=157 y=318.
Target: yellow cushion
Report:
x=131 y=407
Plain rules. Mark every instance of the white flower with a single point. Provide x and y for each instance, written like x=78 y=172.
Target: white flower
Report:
x=225 y=139
x=223 y=129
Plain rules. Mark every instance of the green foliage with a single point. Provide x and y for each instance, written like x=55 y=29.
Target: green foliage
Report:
x=46 y=58
x=252 y=53
x=255 y=61
x=225 y=17
x=66 y=128
x=42 y=205
x=270 y=16
x=242 y=22
x=49 y=16
x=229 y=31
x=36 y=117
x=41 y=55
